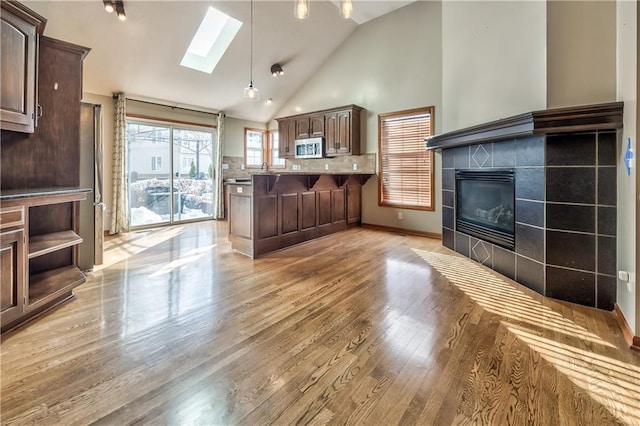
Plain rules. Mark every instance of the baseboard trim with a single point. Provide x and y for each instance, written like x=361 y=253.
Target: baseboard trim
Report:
x=401 y=231
x=632 y=341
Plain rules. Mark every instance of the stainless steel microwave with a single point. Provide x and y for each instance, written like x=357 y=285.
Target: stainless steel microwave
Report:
x=309 y=148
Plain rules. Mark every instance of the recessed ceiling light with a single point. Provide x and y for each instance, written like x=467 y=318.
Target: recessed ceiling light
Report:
x=268 y=101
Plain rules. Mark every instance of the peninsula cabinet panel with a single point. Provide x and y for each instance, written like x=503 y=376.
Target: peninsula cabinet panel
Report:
x=11 y=275
x=18 y=63
x=308 y=200
x=324 y=207
x=288 y=209
x=338 y=205
x=267 y=217
x=240 y=215
x=289 y=212
x=353 y=204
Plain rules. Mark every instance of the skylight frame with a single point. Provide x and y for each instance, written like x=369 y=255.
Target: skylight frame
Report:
x=212 y=39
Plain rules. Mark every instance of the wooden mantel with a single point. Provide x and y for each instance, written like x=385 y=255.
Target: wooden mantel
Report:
x=574 y=119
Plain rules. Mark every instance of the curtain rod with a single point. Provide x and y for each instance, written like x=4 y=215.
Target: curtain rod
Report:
x=170 y=106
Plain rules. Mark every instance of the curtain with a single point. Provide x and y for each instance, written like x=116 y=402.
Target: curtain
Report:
x=219 y=190
x=120 y=204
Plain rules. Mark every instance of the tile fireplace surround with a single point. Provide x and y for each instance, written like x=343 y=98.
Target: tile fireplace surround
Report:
x=564 y=162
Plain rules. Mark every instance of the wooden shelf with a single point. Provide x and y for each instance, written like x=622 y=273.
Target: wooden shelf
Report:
x=48 y=243
x=54 y=281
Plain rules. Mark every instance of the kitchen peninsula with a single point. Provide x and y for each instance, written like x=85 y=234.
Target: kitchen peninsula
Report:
x=272 y=211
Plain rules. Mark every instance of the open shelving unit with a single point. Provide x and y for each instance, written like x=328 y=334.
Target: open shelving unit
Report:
x=49 y=246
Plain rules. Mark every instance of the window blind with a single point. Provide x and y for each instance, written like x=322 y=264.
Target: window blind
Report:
x=406 y=167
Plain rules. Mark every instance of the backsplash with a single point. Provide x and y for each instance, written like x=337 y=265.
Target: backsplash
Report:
x=365 y=163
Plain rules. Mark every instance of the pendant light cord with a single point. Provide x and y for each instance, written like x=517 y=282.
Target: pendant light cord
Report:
x=251 y=45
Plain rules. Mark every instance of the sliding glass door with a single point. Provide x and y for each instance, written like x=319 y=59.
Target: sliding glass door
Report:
x=170 y=171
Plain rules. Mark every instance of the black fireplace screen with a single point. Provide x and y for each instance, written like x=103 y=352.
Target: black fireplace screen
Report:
x=485 y=205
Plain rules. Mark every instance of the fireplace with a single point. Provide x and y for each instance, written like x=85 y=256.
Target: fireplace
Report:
x=485 y=205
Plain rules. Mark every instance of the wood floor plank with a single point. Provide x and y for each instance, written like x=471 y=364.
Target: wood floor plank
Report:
x=361 y=327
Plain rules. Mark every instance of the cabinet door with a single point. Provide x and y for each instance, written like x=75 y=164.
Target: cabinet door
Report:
x=330 y=128
x=302 y=128
x=11 y=275
x=343 y=132
x=18 y=73
x=286 y=138
x=316 y=125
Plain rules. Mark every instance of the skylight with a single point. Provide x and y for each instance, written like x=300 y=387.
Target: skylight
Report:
x=212 y=39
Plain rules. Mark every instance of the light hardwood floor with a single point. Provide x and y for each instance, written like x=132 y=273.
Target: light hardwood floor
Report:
x=362 y=327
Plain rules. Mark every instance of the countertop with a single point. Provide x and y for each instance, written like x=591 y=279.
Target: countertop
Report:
x=12 y=194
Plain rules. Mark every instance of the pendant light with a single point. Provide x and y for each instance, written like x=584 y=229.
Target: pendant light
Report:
x=251 y=92
x=301 y=10
x=346 y=7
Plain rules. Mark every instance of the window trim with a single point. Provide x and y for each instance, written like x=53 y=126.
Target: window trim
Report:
x=266 y=149
x=408 y=112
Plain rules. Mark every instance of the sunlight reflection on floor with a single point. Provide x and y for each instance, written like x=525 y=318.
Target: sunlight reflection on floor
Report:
x=614 y=384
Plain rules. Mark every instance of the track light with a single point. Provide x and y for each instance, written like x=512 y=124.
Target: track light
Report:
x=108 y=6
x=120 y=10
x=301 y=10
x=346 y=8
x=276 y=70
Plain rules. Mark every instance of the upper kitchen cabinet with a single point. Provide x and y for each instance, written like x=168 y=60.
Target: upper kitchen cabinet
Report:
x=340 y=128
x=50 y=156
x=21 y=28
x=310 y=126
x=286 y=138
x=342 y=131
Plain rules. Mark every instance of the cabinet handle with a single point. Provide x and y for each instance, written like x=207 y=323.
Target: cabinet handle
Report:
x=39 y=110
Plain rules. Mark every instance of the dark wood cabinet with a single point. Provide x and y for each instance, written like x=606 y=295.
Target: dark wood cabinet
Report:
x=342 y=131
x=12 y=274
x=41 y=270
x=316 y=125
x=339 y=126
x=50 y=157
x=281 y=210
x=286 y=138
x=19 y=66
x=302 y=128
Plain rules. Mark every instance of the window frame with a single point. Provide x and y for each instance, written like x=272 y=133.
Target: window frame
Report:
x=384 y=202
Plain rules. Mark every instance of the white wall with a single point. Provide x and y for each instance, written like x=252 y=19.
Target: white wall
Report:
x=493 y=60
x=627 y=76
x=389 y=64
x=581 y=54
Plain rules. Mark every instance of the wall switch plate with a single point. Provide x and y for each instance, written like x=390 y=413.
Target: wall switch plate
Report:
x=241 y=166
x=239 y=189
x=326 y=167
x=400 y=216
x=295 y=167
x=225 y=166
x=355 y=166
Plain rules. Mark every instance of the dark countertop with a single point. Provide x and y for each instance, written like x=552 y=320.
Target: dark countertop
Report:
x=12 y=194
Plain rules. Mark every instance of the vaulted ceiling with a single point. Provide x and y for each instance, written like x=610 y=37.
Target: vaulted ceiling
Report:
x=141 y=56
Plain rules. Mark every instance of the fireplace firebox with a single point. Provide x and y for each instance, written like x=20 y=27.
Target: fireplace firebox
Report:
x=485 y=205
